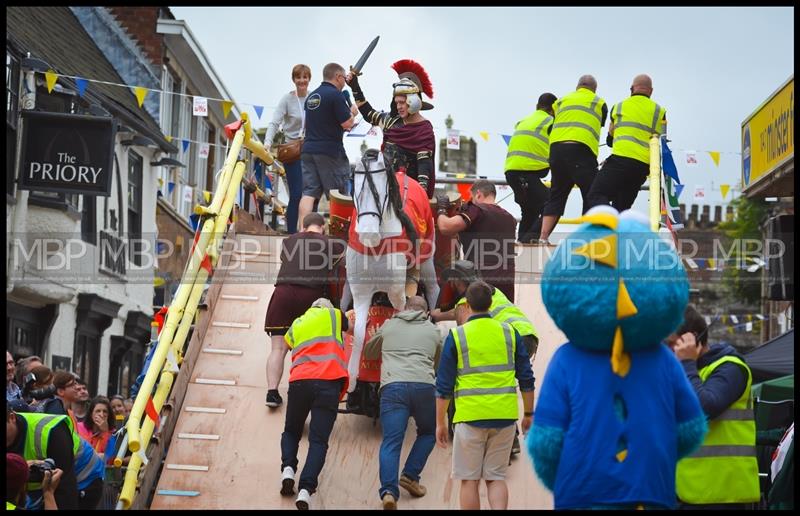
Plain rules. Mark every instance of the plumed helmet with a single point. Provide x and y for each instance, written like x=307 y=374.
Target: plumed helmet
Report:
x=615 y=285
x=413 y=82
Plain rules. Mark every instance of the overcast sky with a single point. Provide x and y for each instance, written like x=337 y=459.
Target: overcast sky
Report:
x=711 y=67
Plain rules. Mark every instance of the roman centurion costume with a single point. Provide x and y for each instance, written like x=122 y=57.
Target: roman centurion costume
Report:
x=410 y=146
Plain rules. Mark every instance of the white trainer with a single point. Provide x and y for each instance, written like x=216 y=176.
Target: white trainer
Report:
x=303 y=500
x=287 y=481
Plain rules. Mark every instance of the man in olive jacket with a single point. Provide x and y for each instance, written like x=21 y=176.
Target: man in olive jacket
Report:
x=409 y=346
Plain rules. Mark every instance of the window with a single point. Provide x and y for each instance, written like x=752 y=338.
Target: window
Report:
x=89 y=219
x=127 y=359
x=135 y=167
x=200 y=164
x=12 y=116
x=86 y=356
x=27 y=328
x=167 y=87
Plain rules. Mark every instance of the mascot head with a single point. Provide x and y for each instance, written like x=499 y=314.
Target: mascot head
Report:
x=615 y=285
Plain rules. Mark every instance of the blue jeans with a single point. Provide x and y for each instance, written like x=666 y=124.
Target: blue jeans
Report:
x=399 y=400
x=321 y=399
x=294 y=180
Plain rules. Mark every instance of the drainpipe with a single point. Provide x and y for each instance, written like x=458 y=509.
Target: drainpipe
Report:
x=28 y=101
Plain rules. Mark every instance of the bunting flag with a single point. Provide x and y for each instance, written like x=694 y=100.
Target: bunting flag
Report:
x=453 y=139
x=715 y=156
x=724 y=189
x=691 y=158
x=194 y=220
x=185 y=144
x=226 y=108
x=670 y=192
x=259 y=110
x=81 y=84
x=507 y=138
x=141 y=93
x=160 y=181
x=667 y=162
x=170 y=187
x=699 y=193
x=207 y=195
x=169 y=139
x=484 y=135
x=111 y=449
x=51 y=77
x=734 y=319
x=151 y=411
x=748 y=326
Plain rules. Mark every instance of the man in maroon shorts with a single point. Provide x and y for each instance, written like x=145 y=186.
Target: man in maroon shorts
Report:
x=307 y=261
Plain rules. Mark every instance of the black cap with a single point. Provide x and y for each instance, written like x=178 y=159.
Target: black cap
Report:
x=461 y=270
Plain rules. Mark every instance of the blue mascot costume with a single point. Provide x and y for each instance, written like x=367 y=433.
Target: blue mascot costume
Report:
x=615 y=410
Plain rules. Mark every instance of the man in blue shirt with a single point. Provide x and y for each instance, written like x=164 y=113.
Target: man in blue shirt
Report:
x=323 y=159
x=476 y=367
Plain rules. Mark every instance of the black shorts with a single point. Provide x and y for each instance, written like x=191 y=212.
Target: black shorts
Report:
x=289 y=302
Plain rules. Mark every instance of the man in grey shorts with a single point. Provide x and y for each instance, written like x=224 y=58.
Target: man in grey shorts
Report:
x=323 y=159
x=481 y=362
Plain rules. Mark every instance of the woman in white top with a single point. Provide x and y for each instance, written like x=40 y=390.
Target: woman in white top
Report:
x=291 y=115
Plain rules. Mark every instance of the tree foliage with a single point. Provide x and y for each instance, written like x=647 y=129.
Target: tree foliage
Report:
x=749 y=215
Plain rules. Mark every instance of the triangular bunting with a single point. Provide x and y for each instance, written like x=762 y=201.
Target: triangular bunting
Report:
x=724 y=189
x=625 y=306
x=506 y=137
x=51 y=77
x=484 y=135
x=185 y=145
x=678 y=189
x=715 y=156
x=170 y=187
x=141 y=93
x=226 y=108
x=603 y=250
x=259 y=110
x=207 y=195
x=169 y=139
x=667 y=162
x=81 y=84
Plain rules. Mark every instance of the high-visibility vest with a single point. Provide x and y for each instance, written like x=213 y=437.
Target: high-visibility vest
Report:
x=724 y=469
x=578 y=117
x=89 y=465
x=507 y=312
x=636 y=119
x=529 y=148
x=317 y=346
x=485 y=380
x=38 y=436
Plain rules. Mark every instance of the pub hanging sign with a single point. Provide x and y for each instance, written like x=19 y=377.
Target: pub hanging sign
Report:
x=67 y=153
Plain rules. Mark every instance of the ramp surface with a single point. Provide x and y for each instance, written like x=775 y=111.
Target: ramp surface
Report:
x=237 y=463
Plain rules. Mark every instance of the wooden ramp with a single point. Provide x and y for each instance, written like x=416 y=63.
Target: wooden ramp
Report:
x=225 y=448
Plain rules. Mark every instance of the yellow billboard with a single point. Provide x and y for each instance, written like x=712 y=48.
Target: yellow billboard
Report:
x=768 y=136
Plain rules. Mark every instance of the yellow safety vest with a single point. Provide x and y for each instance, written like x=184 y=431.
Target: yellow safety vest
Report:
x=635 y=120
x=529 y=148
x=38 y=436
x=578 y=117
x=724 y=469
x=507 y=312
x=485 y=380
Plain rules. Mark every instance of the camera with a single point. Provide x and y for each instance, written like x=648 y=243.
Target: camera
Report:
x=36 y=470
x=29 y=392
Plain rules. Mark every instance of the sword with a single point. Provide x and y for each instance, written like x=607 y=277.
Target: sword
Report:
x=356 y=69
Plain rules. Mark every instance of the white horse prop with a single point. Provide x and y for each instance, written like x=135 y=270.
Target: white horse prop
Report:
x=393 y=222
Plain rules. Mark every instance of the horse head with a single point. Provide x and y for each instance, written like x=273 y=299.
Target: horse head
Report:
x=376 y=217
